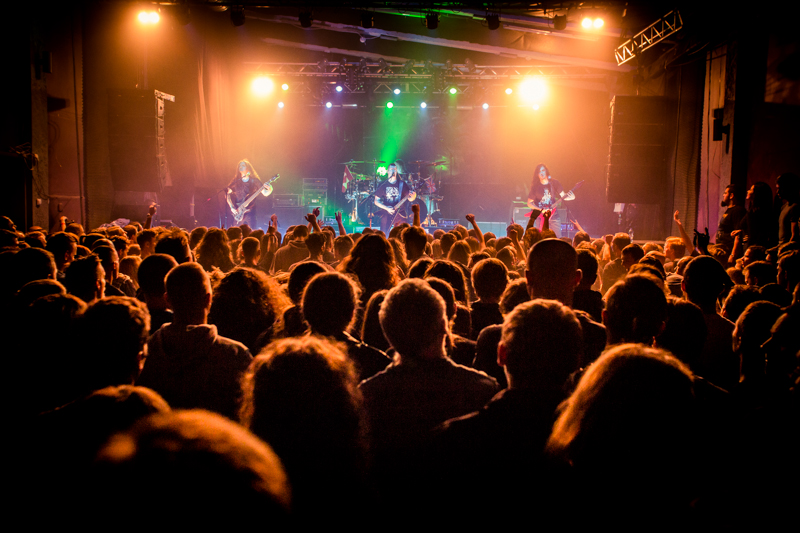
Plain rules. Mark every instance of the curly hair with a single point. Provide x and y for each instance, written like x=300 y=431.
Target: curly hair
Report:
x=372 y=262
x=246 y=306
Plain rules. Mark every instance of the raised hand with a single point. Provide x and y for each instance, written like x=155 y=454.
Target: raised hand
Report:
x=415 y=208
x=338 y=216
x=312 y=217
x=512 y=234
x=470 y=218
x=274 y=219
x=677 y=217
x=547 y=214
x=701 y=240
x=316 y=212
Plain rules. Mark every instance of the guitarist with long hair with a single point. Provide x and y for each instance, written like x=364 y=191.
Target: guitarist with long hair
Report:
x=244 y=184
x=393 y=197
x=545 y=193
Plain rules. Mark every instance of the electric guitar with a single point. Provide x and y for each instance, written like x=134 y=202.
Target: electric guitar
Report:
x=397 y=207
x=556 y=204
x=241 y=211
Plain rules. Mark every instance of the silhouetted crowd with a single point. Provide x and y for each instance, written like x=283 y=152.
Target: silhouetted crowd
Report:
x=461 y=378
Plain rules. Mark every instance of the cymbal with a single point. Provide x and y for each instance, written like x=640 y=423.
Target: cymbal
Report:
x=426 y=163
x=437 y=163
x=359 y=162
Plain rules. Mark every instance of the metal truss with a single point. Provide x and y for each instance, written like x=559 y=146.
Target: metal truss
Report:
x=363 y=77
x=650 y=36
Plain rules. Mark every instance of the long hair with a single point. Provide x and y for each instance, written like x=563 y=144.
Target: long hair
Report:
x=214 y=251
x=538 y=168
x=762 y=196
x=373 y=263
x=250 y=170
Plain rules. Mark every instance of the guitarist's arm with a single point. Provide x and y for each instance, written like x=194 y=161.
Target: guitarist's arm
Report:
x=267 y=190
x=230 y=200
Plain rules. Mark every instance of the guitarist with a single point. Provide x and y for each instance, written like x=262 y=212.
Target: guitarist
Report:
x=545 y=192
x=245 y=182
x=389 y=194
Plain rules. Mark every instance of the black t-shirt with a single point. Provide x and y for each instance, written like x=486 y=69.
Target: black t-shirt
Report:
x=730 y=221
x=389 y=194
x=242 y=191
x=544 y=196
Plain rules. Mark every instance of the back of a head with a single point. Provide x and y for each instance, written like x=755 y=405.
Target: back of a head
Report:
x=299 y=277
x=300 y=232
x=342 y=245
x=194 y=460
x=533 y=356
x=153 y=272
x=446 y=292
x=315 y=242
x=233 y=233
x=489 y=278
x=301 y=395
x=82 y=275
x=620 y=241
x=516 y=293
x=753 y=329
x=329 y=303
x=114 y=332
x=414 y=238
x=588 y=265
x=188 y=287
x=685 y=331
x=61 y=243
x=419 y=267
x=760 y=273
x=413 y=317
x=459 y=252
x=174 y=243
x=631 y=422
x=32 y=264
x=449 y=272
x=636 y=309
x=552 y=266
x=250 y=247
x=704 y=279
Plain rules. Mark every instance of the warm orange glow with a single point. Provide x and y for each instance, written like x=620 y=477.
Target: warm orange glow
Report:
x=586 y=23
x=262 y=86
x=598 y=23
x=533 y=90
x=146 y=17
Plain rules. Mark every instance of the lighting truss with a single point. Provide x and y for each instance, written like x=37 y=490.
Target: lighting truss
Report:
x=650 y=36
x=412 y=77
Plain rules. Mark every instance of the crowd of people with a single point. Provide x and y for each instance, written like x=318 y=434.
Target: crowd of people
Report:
x=318 y=377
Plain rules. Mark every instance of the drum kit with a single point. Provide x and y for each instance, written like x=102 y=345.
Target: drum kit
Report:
x=360 y=191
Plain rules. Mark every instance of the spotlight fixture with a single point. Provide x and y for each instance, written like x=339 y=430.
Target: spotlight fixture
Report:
x=389 y=105
x=432 y=21
x=237 y=15
x=328 y=105
x=560 y=22
x=148 y=17
x=338 y=88
x=598 y=23
x=453 y=90
x=485 y=106
x=586 y=23
x=305 y=19
x=509 y=90
x=262 y=86
x=366 y=20
x=535 y=107
x=280 y=104
x=285 y=86
x=423 y=105
x=396 y=91
x=493 y=21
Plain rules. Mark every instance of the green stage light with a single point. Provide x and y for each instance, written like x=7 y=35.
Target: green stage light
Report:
x=381 y=171
x=389 y=105
x=453 y=90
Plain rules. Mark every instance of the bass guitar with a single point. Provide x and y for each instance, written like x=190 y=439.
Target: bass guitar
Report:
x=241 y=211
x=555 y=205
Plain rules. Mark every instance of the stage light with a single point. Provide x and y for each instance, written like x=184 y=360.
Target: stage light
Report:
x=381 y=171
x=453 y=90
x=432 y=21
x=389 y=105
x=262 y=86
x=338 y=88
x=493 y=21
x=533 y=90
x=535 y=107
x=598 y=23
x=280 y=104
x=423 y=105
x=586 y=23
x=485 y=106
x=148 y=17
x=509 y=90
x=237 y=15
x=396 y=91
x=328 y=105
x=305 y=19
x=285 y=86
